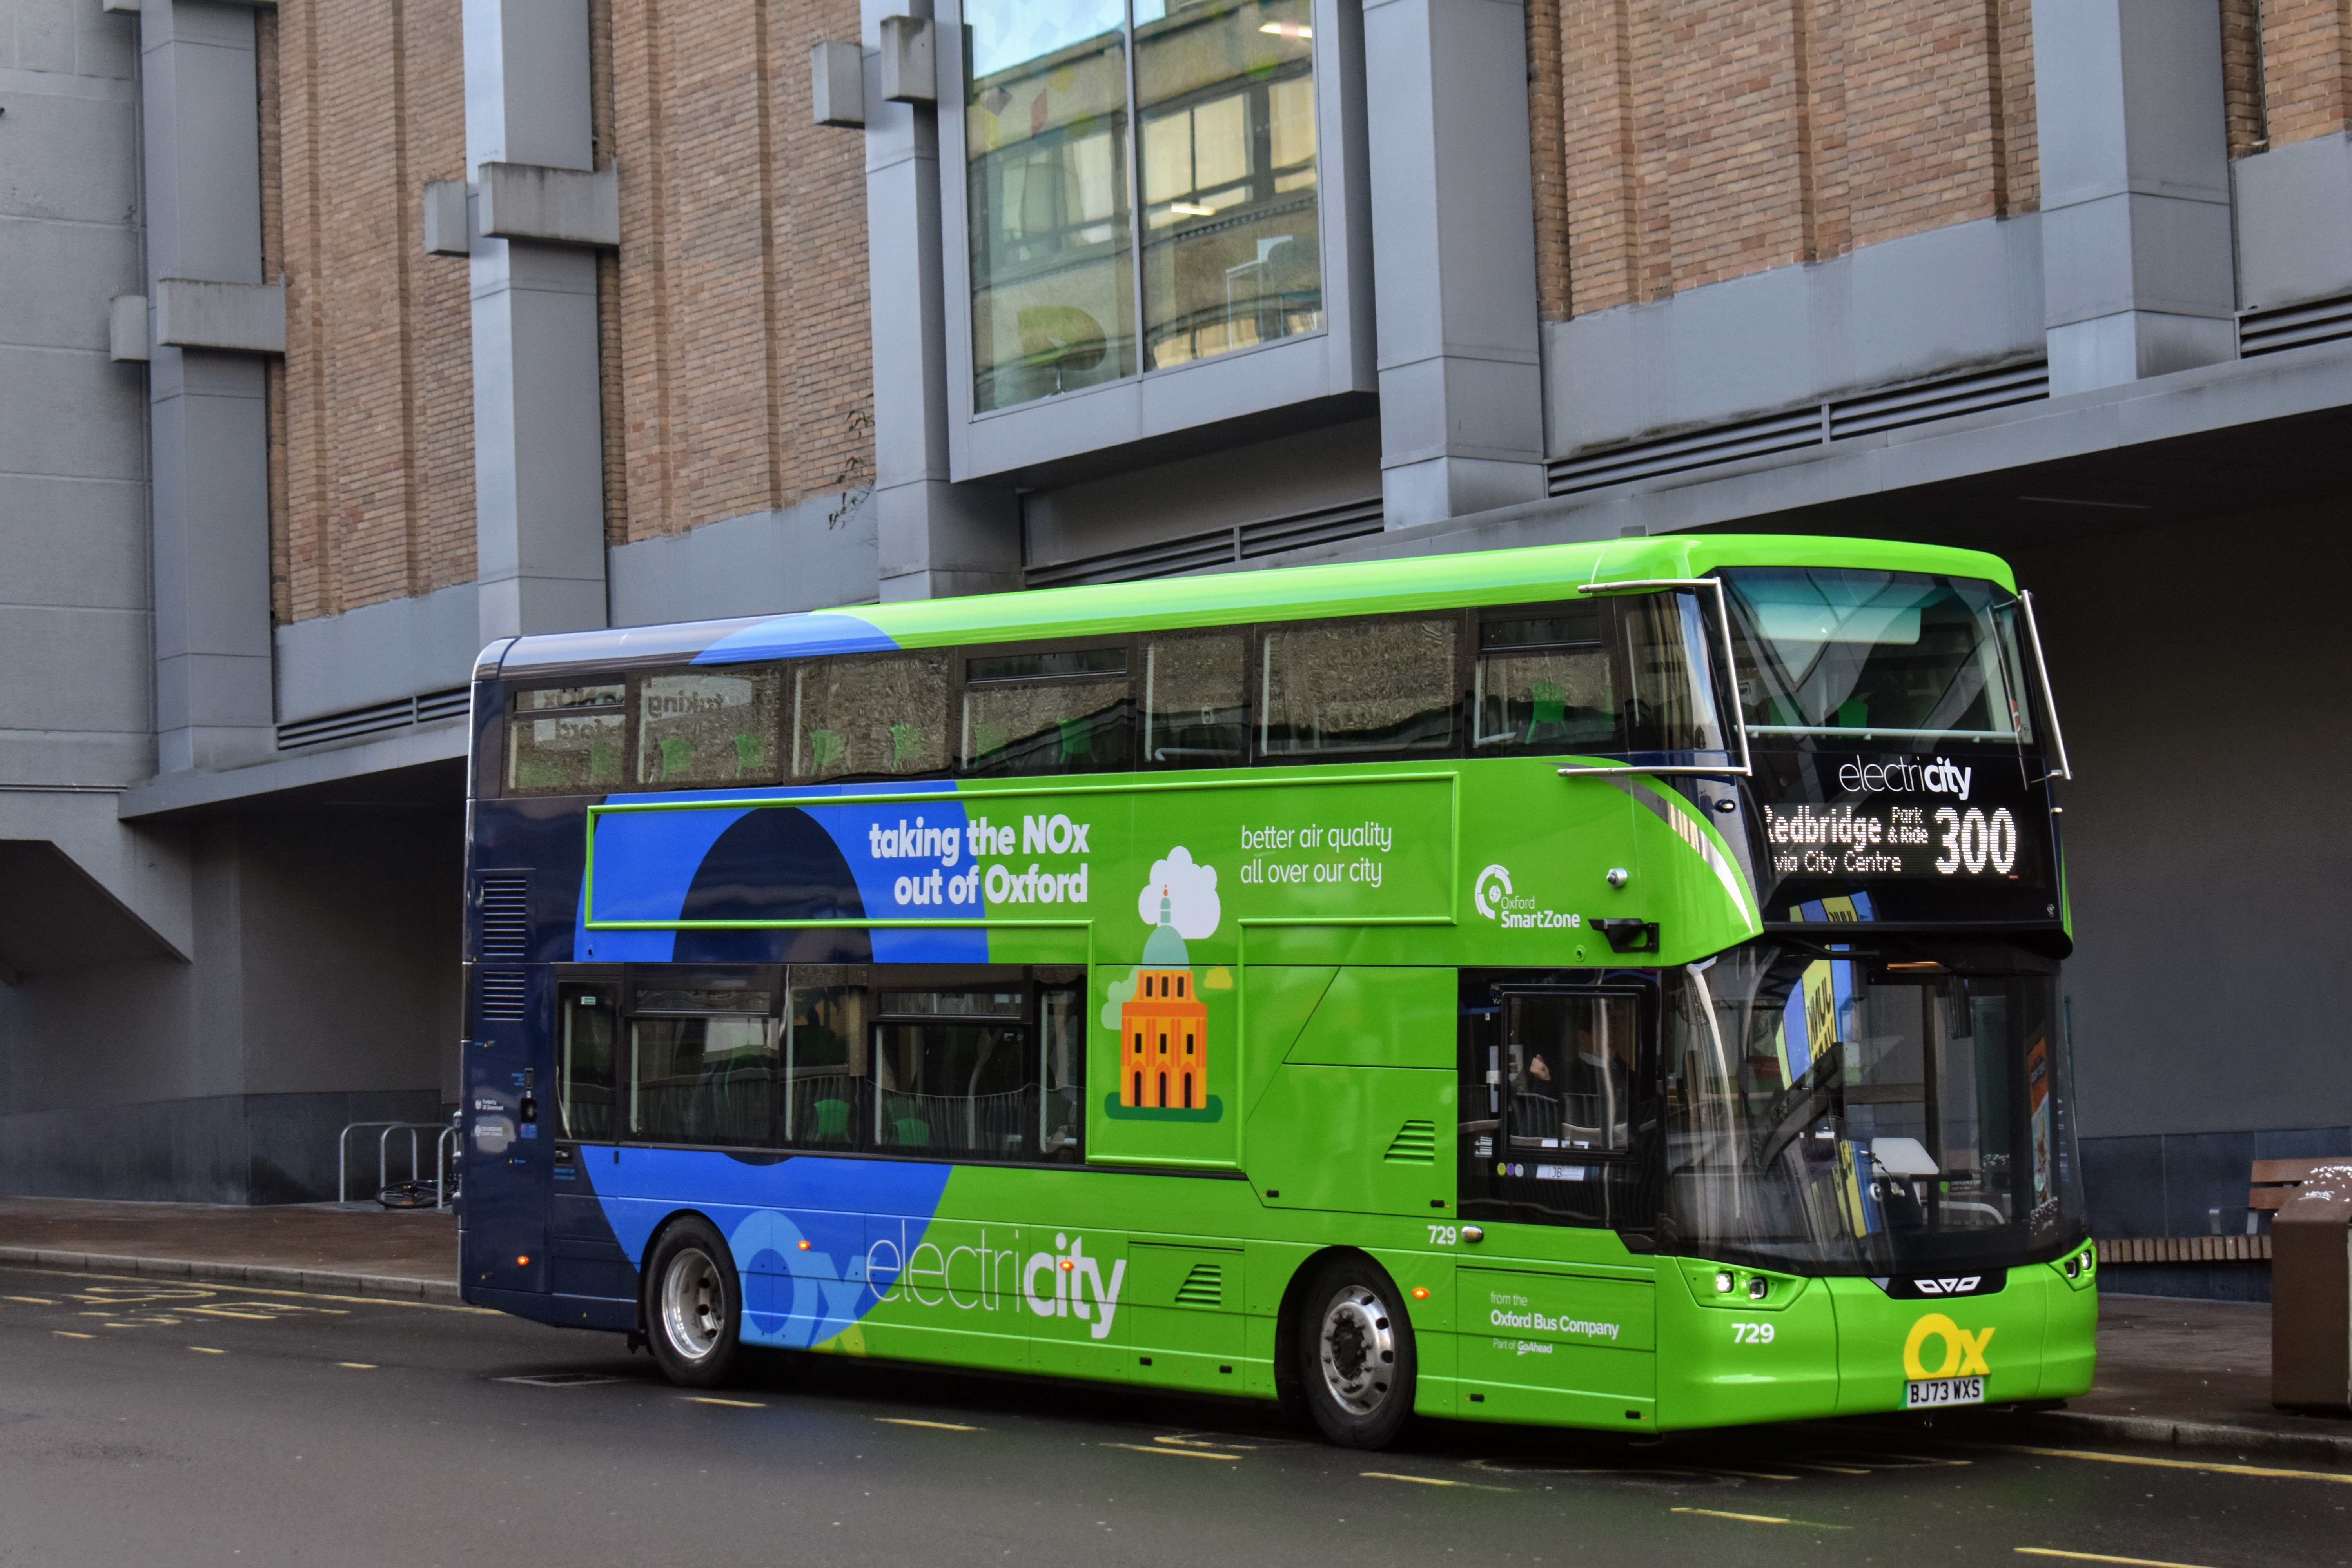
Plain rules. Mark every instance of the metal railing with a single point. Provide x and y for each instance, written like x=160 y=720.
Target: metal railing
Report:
x=383 y=1156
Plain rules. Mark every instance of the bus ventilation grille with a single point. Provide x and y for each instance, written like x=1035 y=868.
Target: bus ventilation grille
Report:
x=503 y=994
x=1414 y=1144
x=506 y=920
x=1204 y=1287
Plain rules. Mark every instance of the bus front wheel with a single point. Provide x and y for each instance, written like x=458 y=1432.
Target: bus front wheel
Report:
x=693 y=1307
x=1356 y=1354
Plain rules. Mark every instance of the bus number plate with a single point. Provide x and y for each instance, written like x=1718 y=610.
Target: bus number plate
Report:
x=1943 y=1391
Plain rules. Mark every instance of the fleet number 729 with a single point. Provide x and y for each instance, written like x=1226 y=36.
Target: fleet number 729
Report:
x=1751 y=1333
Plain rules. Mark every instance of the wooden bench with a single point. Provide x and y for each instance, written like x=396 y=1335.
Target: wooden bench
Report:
x=2276 y=1180
x=2275 y=1183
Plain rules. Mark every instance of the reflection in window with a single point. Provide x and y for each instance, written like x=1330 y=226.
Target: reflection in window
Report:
x=824 y=1058
x=1045 y=119
x=1568 y=1066
x=1371 y=686
x=1065 y=713
x=870 y=716
x=1232 y=247
x=589 y=1092
x=704 y=1080
x=1669 y=654
x=707 y=727
x=566 y=740
x=1061 y=1040
x=1194 y=701
x=952 y=1089
x=1542 y=682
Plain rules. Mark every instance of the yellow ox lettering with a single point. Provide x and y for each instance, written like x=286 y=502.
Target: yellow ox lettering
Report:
x=1963 y=1351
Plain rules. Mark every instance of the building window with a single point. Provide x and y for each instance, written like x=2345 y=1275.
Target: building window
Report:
x=1229 y=226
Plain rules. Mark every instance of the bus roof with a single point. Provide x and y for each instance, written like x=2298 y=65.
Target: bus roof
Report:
x=1225 y=598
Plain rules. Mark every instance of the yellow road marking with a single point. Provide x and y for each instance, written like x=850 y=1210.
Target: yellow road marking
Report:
x=933 y=1425
x=1429 y=1481
x=1204 y=1443
x=66 y=1334
x=271 y=1290
x=358 y=1366
x=729 y=1404
x=224 y=1312
x=206 y=1350
x=2214 y=1466
x=1171 y=1453
x=121 y=1325
x=1826 y=1469
x=1756 y=1518
x=31 y=1300
x=1746 y=1474
x=2099 y=1557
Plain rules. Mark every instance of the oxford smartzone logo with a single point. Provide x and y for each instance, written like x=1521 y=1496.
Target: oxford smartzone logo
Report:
x=1492 y=896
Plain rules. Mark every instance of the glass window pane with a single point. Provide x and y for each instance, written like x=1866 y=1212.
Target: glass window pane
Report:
x=1061 y=1051
x=869 y=717
x=589 y=1095
x=1051 y=727
x=1568 y=1062
x=1052 y=261
x=1195 y=701
x=954 y=1088
x=1233 y=244
x=1548 y=699
x=1359 y=685
x=565 y=753
x=1669 y=658
x=707 y=728
x=704 y=1080
x=825 y=1058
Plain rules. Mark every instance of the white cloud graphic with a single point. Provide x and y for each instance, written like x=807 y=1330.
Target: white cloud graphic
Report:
x=1192 y=894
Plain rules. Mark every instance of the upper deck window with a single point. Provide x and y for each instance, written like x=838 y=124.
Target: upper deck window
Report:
x=1065 y=711
x=870 y=716
x=1374 y=686
x=566 y=740
x=1196 y=700
x=1891 y=656
x=707 y=727
x=1543 y=681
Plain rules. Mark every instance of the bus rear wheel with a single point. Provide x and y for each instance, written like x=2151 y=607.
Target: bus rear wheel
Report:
x=1356 y=1354
x=694 y=1305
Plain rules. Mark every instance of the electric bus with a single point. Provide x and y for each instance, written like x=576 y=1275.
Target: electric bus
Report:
x=1614 y=985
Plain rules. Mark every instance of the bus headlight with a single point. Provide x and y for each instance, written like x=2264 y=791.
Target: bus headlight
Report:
x=1757 y=1288
x=1723 y=1281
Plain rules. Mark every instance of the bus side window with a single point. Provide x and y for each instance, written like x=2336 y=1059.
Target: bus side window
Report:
x=566 y=740
x=826 y=1097
x=1542 y=682
x=1064 y=711
x=1196 y=700
x=869 y=716
x=707 y=727
x=1062 y=1081
x=1358 y=688
x=588 y=1083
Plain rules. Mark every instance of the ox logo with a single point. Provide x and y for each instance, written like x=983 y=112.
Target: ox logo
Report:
x=1963 y=1351
x=1965 y=1285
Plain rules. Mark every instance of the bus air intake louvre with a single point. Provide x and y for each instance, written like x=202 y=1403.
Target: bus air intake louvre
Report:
x=506 y=920
x=426 y=708
x=504 y=995
x=1818 y=425
x=1204 y=1287
x=1414 y=1144
x=2275 y=331
x=1218 y=547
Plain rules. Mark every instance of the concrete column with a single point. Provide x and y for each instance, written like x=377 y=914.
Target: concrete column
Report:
x=1454 y=257
x=538 y=453
x=2137 y=273
x=206 y=410
x=936 y=538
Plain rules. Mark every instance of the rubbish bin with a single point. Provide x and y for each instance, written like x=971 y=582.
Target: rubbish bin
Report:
x=2311 y=1296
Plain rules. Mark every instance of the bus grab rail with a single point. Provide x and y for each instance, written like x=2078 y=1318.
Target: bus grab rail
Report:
x=2041 y=679
x=1746 y=768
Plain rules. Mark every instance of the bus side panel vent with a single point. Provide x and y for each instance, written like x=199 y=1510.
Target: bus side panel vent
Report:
x=504 y=995
x=1414 y=1144
x=506 y=920
x=1204 y=1287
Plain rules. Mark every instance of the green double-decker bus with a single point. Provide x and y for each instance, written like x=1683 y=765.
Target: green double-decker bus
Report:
x=1613 y=986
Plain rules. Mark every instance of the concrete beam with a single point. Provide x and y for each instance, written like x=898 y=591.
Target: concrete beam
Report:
x=231 y=318
x=555 y=206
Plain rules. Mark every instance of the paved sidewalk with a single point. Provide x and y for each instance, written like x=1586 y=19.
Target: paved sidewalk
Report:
x=368 y=1250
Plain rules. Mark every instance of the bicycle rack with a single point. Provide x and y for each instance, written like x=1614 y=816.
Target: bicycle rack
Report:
x=382 y=1153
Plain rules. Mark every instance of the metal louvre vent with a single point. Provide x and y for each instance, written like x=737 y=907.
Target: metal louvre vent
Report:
x=1414 y=1144
x=2269 y=332
x=506 y=920
x=1204 y=1287
x=1819 y=425
x=504 y=994
x=426 y=707
x=1217 y=547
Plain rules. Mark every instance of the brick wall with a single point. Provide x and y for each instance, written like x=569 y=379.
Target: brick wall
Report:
x=371 y=466
x=1689 y=143
x=737 y=366
x=2307 y=69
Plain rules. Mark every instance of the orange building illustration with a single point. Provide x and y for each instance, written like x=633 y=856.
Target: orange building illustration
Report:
x=1164 y=1028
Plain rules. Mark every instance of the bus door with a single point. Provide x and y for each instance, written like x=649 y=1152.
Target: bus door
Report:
x=1557 y=1128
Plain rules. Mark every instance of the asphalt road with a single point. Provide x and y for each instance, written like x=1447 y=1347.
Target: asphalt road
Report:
x=147 y=1422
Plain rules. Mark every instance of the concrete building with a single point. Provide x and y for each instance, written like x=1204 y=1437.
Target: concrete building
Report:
x=338 y=340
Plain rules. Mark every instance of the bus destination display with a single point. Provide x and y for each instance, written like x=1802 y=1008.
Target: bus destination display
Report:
x=1905 y=817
